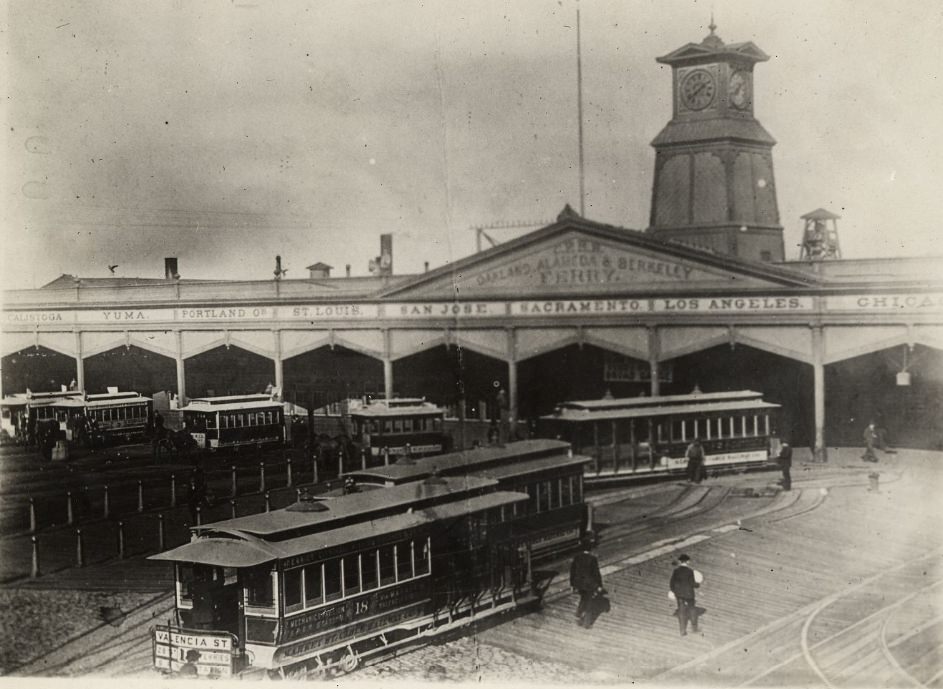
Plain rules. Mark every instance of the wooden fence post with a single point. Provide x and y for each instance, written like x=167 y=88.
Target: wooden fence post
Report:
x=120 y=540
x=268 y=504
x=79 y=549
x=140 y=496
x=32 y=515
x=160 y=533
x=288 y=472
x=235 y=485
x=34 y=572
x=173 y=490
x=68 y=507
x=261 y=477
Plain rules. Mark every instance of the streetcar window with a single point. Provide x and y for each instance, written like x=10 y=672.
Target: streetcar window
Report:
x=404 y=562
x=351 y=574
x=259 y=589
x=368 y=569
x=543 y=496
x=577 y=489
x=532 y=503
x=260 y=418
x=387 y=426
x=332 y=580
x=211 y=420
x=293 y=590
x=422 y=558
x=314 y=591
x=387 y=565
x=185 y=584
x=373 y=427
x=268 y=418
x=566 y=487
x=397 y=425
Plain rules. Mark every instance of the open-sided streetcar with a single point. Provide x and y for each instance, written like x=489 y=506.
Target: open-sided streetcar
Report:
x=554 y=517
x=383 y=428
x=646 y=436
x=234 y=421
x=324 y=584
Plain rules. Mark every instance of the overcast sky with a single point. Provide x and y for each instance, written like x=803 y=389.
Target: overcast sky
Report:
x=226 y=132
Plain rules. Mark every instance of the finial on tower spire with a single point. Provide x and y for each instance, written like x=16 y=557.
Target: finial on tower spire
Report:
x=712 y=26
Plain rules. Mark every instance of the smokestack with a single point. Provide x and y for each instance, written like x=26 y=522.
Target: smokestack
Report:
x=348 y=270
x=426 y=264
x=170 y=269
x=386 y=254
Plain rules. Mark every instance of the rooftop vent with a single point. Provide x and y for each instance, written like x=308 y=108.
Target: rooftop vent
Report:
x=307 y=503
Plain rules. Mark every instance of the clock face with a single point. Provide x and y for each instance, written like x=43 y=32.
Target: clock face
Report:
x=698 y=89
x=738 y=90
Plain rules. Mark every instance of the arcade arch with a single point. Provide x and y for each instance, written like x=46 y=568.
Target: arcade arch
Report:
x=130 y=368
x=37 y=368
x=228 y=371
x=327 y=374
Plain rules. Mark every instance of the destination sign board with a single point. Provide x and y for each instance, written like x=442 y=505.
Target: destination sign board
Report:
x=932 y=302
x=210 y=652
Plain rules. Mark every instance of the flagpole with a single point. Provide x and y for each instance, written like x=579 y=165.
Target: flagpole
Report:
x=579 y=107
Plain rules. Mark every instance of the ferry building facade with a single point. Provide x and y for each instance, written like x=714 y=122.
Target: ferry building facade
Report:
x=703 y=298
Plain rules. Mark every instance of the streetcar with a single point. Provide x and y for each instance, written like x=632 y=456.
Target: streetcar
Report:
x=235 y=421
x=12 y=418
x=106 y=417
x=395 y=427
x=648 y=436
x=554 y=518
x=322 y=585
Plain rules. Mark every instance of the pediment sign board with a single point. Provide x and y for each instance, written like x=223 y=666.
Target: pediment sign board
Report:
x=577 y=262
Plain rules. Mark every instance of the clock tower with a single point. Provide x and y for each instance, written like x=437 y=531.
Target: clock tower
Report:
x=714 y=187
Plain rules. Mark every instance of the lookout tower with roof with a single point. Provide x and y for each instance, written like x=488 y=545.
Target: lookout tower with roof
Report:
x=714 y=187
x=820 y=237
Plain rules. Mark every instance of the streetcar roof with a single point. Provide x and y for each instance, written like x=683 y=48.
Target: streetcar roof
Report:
x=577 y=415
x=466 y=460
x=203 y=406
x=403 y=406
x=346 y=507
x=229 y=399
x=223 y=546
x=633 y=402
x=13 y=401
x=107 y=402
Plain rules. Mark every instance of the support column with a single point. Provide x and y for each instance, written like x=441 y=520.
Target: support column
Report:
x=819 y=453
x=387 y=365
x=279 y=371
x=654 y=349
x=181 y=372
x=79 y=362
x=512 y=379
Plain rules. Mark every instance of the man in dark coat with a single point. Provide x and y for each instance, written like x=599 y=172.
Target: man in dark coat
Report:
x=695 y=455
x=785 y=463
x=587 y=581
x=684 y=580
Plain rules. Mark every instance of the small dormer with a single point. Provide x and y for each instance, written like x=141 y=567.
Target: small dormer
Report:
x=319 y=271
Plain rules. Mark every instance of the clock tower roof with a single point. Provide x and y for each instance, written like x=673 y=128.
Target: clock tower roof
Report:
x=713 y=49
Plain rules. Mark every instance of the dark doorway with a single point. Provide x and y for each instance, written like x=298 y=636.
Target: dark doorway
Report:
x=130 y=368
x=37 y=368
x=228 y=371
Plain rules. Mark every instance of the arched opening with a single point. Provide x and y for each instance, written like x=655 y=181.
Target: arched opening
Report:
x=37 y=368
x=324 y=375
x=228 y=371
x=444 y=374
x=130 y=368
x=577 y=373
x=867 y=388
x=786 y=382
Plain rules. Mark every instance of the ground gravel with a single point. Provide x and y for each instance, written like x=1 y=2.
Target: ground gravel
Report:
x=35 y=621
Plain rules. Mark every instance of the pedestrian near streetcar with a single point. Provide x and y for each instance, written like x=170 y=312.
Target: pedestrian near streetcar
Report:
x=870 y=438
x=695 y=455
x=785 y=463
x=586 y=579
x=684 y=581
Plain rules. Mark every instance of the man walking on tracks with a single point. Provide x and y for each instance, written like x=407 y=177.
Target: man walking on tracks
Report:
x=586 y=579
x=684 y=580
x=870 y=438
x=785 y=463
x=695 y=455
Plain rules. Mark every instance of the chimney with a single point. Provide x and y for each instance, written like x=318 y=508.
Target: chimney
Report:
x=348 y=270
x=426 y=264
x=386 y=254
x=170 y=269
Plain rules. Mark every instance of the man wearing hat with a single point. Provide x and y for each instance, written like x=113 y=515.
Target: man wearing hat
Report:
x=785 y=463
x=684 y=579
x=586 y=579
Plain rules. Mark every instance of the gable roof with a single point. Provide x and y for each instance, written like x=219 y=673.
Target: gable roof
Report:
x=518 y=257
